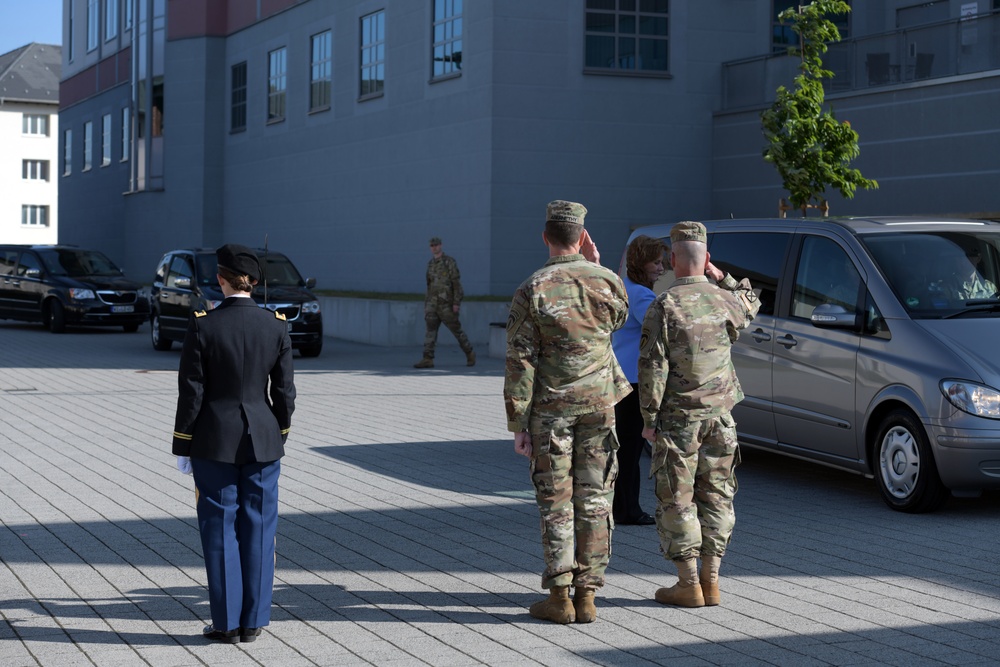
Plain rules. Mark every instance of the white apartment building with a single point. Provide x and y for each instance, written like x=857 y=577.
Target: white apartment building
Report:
x=29 y=144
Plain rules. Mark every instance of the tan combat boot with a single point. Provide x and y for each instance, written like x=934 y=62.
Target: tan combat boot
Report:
x=426 y=362
x=583 y=602
x=557 y=608
x=687 y=591
x=710 y=579
x=470 y=358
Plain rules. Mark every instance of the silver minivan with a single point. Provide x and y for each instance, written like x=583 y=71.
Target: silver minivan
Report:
x=876 y=349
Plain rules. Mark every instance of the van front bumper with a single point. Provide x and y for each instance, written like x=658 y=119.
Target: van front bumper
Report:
x=968 y=460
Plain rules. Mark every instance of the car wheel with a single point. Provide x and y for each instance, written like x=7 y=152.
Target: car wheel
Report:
x=130 y=328
x=311 y=350
x=55 y=316
x=159 y=342
x=905 y=472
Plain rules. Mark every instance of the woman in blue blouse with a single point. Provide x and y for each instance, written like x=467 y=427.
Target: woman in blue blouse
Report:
x=644 y=264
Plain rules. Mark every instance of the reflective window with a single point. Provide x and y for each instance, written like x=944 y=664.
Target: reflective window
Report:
x=35 y=170
x=106 y=140
x=126 y=139
x=93 y=28
x=35 y=124
x=276 y=84
x=67 y=152
x=630 y=35
x=238 y=98
x=824 y=274
x=35 y=216
x=88 y=145
x=373 y=54
x=447 y=47
x=111 y=18
x=757 y=256
x=320 y=70
x=26 y=262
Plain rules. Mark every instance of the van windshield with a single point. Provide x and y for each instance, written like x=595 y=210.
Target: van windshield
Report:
x=278 y=270
x=940 y=274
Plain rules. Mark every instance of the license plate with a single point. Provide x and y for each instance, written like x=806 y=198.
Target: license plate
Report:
x=122 y=309
x=289 y=327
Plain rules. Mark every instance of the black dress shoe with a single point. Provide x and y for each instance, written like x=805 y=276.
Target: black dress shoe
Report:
x=248 y=635
x=230 y=637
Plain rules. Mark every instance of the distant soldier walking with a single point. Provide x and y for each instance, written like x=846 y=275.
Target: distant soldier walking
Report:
x=562 y=383
x=687 y=388
x=442 y=303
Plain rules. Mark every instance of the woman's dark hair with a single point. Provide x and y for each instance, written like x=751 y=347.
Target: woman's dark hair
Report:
x=235 y=280
x=641 y=252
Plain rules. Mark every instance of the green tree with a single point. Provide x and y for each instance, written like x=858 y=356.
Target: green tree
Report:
x=808 y=146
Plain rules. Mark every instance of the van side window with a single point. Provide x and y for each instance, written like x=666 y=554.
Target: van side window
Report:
x=180 y=267
x=8 y=260
x=825 y=274
x=28 y=261
x=753 y=255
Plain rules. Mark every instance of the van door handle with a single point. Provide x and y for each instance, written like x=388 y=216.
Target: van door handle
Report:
x=760 y=335
x=787 y=341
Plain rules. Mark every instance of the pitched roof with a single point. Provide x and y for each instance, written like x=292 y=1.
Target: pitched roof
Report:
x=31 y=73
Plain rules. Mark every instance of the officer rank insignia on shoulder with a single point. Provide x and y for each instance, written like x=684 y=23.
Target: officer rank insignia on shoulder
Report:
x=200 y=313
x=279 y=316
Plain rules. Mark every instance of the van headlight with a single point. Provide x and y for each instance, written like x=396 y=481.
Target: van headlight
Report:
x=79 y=294
x=311 y=307
x=976 y=399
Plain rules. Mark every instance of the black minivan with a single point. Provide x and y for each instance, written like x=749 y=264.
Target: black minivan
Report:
x=185 y=282
x=61 y=285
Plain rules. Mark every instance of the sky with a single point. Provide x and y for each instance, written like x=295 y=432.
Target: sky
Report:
x=26 y=21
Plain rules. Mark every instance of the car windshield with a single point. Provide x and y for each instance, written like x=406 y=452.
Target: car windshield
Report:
x=279 y=271
x=941 y=274
x=78 y=263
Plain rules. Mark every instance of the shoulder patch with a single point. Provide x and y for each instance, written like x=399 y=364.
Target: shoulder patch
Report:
x=200 y=313
x=279 y=316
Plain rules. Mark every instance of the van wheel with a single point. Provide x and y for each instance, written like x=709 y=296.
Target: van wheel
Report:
x=159 y=342
x=905 y=472
x=55 y=316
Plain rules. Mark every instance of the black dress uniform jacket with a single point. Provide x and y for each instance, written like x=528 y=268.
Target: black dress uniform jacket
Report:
x=226 y=411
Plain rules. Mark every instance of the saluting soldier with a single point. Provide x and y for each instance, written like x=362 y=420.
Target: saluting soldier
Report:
x=233 y=416
x=687 y=388
x=562 y=383
x=442 y=303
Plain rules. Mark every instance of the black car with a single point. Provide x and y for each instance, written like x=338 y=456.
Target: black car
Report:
x=61 y=285
x=185 y=282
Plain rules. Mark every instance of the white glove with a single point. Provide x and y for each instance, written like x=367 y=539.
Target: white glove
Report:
x=184 y=464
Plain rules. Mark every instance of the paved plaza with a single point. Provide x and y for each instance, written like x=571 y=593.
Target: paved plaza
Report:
x=408 y=535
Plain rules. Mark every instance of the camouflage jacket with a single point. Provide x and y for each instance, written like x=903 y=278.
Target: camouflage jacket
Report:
x=559 y=358
x=444 y=284
x=685 y=369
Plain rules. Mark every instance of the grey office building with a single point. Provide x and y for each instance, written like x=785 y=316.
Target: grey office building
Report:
x=348 y=132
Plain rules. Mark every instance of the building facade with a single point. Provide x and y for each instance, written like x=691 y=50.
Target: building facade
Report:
x=345 y=133
x=29 y=130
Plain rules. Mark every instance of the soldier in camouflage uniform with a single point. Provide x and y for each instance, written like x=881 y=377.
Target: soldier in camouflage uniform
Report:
x=562 y=383
x=443 y=301
x=687 y=388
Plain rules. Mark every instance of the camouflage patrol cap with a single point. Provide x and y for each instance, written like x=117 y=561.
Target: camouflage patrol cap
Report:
x=565 y=211
x=688 y=231
x=435 y=240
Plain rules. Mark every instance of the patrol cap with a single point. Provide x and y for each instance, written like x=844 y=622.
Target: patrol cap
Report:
x=565 y=211
x=239 y=259
x=435 y=240
x=688 y=231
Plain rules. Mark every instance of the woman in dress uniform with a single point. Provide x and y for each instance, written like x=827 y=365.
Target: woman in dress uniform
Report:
x=233 y=415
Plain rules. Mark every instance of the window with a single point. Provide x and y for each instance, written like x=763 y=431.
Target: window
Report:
x=126 y=139
x=67 y=152
x=276 y=69
x=35 y=216
x=111 y=18
x=320 y=71
x=93 y=29
x=128 y=14
x=782 y=35
x=69 y=30
x=825 y=274
x=88 y=145
x=627 y=35
x=373 y=54
x=36 y=124
x=757 y=256
x=35 y=170
x=238 y=97
x=106 y=140
x=447 y=49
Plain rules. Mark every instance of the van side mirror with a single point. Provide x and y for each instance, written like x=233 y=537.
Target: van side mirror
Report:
x=33 y=273
x=833 y=316
x=182 y=283
x=310 y=283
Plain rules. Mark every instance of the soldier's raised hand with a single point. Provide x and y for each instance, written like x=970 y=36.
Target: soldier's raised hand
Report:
x=714 y=273
x=588 y=248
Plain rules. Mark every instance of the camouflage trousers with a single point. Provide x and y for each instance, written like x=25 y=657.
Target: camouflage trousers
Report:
x=436 y=312
x=694 y=466
x=573 y=468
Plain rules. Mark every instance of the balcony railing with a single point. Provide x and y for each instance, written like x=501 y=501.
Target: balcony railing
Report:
x=931 y=51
